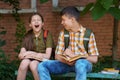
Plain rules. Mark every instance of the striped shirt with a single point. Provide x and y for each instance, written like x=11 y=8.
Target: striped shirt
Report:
x=76 y=43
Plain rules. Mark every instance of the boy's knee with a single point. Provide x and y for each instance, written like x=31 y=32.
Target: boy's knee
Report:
x=80 y=65
x=40 y=67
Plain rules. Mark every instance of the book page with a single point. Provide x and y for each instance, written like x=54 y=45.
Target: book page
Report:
x=69 y=59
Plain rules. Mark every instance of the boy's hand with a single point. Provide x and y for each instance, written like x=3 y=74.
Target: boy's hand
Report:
x=70 y=63
x=69 y=53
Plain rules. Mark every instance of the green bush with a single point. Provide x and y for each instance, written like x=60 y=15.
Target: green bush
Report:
x=7 y=67
x=105 y=62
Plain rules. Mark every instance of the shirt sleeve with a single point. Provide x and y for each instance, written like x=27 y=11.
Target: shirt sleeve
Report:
x=50 y=41
x=60 y=46
x=92 y=48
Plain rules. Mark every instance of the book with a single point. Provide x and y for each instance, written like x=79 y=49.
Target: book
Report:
x=110 y=71
x=70 y=59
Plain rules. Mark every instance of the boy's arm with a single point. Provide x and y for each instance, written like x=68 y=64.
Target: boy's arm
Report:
x=92 y=59
x=92 y=50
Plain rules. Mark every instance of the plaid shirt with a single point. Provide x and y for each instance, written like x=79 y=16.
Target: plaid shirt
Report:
x=76 y=43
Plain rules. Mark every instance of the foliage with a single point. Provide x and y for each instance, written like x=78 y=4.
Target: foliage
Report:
x=6 y=67
x=101 y=7
x=104 y=62
x=2 y=42
x=20 y=28
x=20 y=32
x=13 y=3
x=43 y=1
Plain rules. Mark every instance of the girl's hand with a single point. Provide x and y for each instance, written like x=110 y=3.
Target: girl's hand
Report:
x=26 y=54
x=31 y=56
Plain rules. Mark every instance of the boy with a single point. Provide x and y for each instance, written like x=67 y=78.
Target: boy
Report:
x=70 y=20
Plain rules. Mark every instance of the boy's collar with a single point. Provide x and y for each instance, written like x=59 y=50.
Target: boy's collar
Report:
x=81 y=29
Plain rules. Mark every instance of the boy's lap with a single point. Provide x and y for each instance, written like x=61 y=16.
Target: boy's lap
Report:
x=54 y=67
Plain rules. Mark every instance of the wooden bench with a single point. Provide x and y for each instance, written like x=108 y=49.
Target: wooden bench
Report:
x=102 y=76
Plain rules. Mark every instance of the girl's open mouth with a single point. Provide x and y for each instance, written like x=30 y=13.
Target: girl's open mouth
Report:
x=36 y=26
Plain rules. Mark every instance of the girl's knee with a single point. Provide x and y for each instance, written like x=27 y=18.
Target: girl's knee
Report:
x=33 y=65
x=23 y=67
x=24 y=64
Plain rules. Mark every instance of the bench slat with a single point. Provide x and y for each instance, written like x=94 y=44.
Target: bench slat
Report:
x=91 y=75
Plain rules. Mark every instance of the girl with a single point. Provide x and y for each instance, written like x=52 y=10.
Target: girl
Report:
x=34 y=48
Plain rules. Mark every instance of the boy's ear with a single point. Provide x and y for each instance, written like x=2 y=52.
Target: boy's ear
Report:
x=73 y=19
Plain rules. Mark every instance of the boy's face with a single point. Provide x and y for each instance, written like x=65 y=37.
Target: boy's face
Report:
x=67 y=22
x=36 y=23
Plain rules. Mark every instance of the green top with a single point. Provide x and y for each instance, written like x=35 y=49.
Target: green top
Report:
x=40 y=45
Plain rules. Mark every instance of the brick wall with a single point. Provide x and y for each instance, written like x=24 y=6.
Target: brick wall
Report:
x=102 y=28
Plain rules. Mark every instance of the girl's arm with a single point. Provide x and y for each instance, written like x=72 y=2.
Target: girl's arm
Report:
x=41 y=56
x=23 y=53
x=47 y=54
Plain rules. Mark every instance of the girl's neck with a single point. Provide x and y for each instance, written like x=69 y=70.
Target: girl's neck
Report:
x=37 y=33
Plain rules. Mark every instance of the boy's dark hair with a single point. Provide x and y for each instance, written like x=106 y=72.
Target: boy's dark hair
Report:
x=36 y=14
x=71 y=12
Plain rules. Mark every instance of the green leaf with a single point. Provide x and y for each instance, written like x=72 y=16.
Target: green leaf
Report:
x=106 y=3
x=43 y=1
x=116 y=2
x=115 y=12
x=3 y=32
x=2 y=43
x=98 y=11
x=87 y=8
x=1 y=53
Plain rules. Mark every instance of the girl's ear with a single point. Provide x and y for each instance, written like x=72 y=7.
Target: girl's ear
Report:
x=43 y=24
x=30 y=25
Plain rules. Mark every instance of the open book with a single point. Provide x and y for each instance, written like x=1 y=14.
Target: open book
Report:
x=70 y=59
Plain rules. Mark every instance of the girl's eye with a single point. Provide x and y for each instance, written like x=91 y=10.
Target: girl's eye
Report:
x=39 y=20
x=35 y=20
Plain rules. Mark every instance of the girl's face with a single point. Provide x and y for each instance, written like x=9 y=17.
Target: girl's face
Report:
x=36 y=23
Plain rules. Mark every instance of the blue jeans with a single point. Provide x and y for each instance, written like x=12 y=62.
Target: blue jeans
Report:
x=81 y=67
